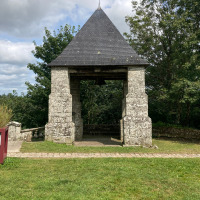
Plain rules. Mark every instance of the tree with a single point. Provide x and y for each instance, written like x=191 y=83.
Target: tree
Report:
x=21 y=107
x=101 y=104
x=38 y=94
x=5 y=115
x=167 y=34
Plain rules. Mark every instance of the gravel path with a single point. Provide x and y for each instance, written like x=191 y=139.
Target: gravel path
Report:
x=100 y=155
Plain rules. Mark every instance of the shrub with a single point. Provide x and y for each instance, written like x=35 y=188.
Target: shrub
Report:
x=163 y=124
x=5 y=115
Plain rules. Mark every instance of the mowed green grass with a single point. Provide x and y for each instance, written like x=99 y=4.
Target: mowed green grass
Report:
x=100 y=178
x=165 y=146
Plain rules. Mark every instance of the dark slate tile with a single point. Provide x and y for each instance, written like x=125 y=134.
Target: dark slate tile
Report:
x=97 y=43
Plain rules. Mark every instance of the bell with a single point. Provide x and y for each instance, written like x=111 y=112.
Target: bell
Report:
x=100 y=82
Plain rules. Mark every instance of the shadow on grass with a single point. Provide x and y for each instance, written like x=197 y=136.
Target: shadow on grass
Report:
x=63 y=182
x=101 y=140
x=179 y=140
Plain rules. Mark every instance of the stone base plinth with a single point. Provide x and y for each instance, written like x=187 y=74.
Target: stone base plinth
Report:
x=79 y=132
x=60 y=133
x=131 y=145
x=137 y=131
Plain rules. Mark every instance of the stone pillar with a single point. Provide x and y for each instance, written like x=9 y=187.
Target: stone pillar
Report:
x=125 y=91
x=137 y=124
x=76 y=109
x=60 y=128
x=14 y=131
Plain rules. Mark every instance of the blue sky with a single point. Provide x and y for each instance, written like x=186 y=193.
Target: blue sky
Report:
x=23 y=21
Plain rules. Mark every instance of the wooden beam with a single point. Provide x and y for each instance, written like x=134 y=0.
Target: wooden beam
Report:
x=97 y=70
x=94 y=78
x=100 y=74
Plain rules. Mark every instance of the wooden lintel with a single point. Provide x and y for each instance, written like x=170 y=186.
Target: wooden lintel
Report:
x=94 y=78
x=99 y=74
x=75 y=71
x=97 y=70
x=115 y=71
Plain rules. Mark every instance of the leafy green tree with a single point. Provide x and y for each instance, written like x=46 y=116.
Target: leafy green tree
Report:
x=21 y=107
x=5 y=115
x=38 y=94
x=167 y=34
x=101 y=104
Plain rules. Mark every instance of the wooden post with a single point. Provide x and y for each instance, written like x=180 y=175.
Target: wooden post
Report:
x=4 y=144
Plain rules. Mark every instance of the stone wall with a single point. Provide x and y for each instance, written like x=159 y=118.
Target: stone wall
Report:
x=16 y=134
x=14 y=131
x=114 y=130
x=125 y=92
x=172 y=132
x=76 y=109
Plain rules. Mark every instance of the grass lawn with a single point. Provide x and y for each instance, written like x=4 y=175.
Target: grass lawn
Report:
x=165 y=146
x=100 y=178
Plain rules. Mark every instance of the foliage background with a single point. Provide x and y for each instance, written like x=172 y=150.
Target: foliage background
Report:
x=5 y=115
x=166 y=33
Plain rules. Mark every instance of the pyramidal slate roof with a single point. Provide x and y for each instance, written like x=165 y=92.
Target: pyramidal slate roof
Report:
x=98 y=43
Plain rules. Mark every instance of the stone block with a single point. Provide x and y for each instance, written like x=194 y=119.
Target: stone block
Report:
x=57 y=88
x=27 y=136
x=137 y=111
x=14 y=131
x=78 y=133
x=122 y=129
x=69 y=141
x=124 y=107
x=137 y=131
x=57 y=132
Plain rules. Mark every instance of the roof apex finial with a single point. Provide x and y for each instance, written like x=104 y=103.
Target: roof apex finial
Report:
x=99 y=8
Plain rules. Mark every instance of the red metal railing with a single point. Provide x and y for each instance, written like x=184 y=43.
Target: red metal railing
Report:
x=3 y=144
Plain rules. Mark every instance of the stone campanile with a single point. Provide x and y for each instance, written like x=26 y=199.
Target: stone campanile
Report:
x=98 y=52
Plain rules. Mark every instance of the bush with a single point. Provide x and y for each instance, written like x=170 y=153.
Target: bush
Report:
x=167 y=125
x=163 y=124
x=5 y=115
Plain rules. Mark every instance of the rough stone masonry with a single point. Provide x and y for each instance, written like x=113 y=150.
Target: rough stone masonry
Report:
x=65 y=123
x=60 y=128
x=137 y=126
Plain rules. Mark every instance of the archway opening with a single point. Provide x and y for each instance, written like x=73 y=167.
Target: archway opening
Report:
x=101 y=110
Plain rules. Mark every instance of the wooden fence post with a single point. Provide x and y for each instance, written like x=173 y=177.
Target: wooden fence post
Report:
x=3 y=144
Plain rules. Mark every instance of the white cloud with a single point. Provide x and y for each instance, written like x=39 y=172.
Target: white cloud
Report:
x=27 y=18
x=117 y=13
x=13 y=77
x=16 y=53
x=24 y=20
x=14 y=58
x=10 y=69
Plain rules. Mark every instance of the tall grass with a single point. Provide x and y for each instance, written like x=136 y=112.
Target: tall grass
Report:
x=5 y=115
